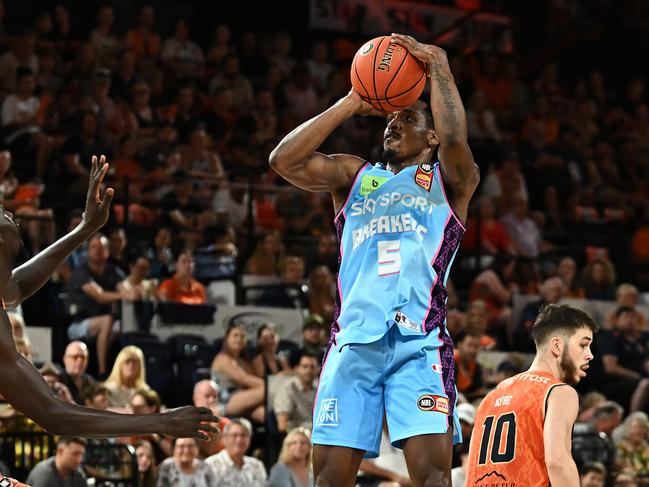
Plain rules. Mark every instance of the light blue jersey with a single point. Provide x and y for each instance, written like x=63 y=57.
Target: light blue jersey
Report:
x=390 y=352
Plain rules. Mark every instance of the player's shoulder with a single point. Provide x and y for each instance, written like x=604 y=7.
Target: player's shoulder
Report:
x=562 y=394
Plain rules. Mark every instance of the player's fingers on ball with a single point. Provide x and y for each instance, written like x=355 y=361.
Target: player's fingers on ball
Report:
x=208 y=427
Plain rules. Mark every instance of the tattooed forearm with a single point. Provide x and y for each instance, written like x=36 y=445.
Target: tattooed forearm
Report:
x=445 y=101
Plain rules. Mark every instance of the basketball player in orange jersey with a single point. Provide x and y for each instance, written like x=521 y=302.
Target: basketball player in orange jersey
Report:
x=23 y=386
x=523 y=428
x=399 y=224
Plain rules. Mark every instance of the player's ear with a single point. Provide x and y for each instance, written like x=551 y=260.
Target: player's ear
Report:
x=556 y=345
x=432 y=138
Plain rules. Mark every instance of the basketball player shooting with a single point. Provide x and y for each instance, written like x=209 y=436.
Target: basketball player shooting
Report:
x=399 y=224
x=23 y=386
x=523 y=428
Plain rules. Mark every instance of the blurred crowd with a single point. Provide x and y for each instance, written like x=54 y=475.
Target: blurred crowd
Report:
x=562 y=213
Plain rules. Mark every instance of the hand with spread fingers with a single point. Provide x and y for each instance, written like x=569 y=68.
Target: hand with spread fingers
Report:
x=97 y=208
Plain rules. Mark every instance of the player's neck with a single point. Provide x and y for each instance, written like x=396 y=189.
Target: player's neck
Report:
x=542 y=364
x=396 y=166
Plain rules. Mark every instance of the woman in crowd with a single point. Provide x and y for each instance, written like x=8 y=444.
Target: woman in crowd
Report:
x=633 y=449
x=294 y=465
x=235 y=374
x=185 y=468
x=146 y=464
x=128 y=376
x=267 y=362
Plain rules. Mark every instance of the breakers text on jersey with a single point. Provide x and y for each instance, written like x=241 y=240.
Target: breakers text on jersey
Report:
x=387 y=224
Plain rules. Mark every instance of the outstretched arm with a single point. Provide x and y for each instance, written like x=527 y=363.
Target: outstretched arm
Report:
x=29 y=277
x=296 y=160
x=461 y=174
x=563 y=405
x=23 y=386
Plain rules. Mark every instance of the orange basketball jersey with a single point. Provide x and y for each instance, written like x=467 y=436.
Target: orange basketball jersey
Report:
x=507 y=440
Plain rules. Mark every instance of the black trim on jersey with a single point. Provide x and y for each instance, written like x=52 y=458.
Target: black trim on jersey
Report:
x=547 y=397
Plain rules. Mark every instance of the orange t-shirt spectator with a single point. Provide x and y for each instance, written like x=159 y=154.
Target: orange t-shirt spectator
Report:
x=182 y=287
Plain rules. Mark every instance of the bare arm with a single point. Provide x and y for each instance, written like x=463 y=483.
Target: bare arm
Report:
x=282 y=422
x=23 y=386
x=295 y=157
x=563 y=406
x=225 y=365
x=29 y=277
x=100 y=295
x=612 y=367
x=461 y=174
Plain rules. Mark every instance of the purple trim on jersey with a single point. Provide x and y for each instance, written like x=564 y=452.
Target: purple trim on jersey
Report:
x=437 y=276
x=448 y=370
x=335 y=327
x=436 y=316
x=441 y=183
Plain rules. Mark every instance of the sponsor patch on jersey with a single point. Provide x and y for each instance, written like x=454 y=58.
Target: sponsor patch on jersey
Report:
x=430 y=402
x=405 y=322
x=437 y=368
x=424 y=178
x=328 y=413
x=371 y=183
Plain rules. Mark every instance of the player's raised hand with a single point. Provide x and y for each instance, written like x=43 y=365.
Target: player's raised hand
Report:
x=188 y=422
x=427 y=53
x=97 y=209
x=361 y=106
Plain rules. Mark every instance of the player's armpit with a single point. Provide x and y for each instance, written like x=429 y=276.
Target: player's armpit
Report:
x=560 y=416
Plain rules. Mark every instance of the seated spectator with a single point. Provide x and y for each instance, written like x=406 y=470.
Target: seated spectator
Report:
x=147 y=401
x=626 y=295
x=599 y=279
x=231 y=78
x=236 y=377
x=200 y=160
x=181 y=56
x=523 y=230
x=477 y=319
x=592 y=474
x=75 y=361
x=107 y=44
x=287 y=294
x=143 y=40
x=92 y=290
x=567 y=271
x=294 y=464
x=64 y=468
x=314 y=340
x=137 y=282
x=117 y=243
x=267 y=361
x=182 y=287
x=127 y=377
x=231 y=466
x=146 y=464
x=468 y=372
x=50 y=375
x=633 y=449
x=185 y=468
x=494 y=286
x=95 y=396
x=623 y=359
x=321 y=292
x=266 y=257
x=160 y=255
x=325 y=253
x=206 y=395
x=493 y=236
x=551 y=293
x=294 y=400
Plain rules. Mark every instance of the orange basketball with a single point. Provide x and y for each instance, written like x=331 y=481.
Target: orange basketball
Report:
x=387 y=75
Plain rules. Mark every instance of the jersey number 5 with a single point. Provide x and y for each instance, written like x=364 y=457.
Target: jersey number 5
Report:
x=499 y=453
x=389 y=253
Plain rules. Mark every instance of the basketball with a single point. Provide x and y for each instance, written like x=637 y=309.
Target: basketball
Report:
x=386 y=75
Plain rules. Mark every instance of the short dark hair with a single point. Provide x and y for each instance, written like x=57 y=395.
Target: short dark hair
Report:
x=623 y=309
x=596 y=467
x=67 y=440
x=92 y=391
x=555 y=318
x=427 y=111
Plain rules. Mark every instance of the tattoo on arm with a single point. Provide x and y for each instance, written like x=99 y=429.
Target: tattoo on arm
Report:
x=443 y=83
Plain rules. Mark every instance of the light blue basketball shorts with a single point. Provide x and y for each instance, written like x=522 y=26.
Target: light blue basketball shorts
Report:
x=410 y=378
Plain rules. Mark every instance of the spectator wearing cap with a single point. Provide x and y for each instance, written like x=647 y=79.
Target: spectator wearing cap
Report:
x=313 y=336
x=294 y=400
x=468 y=372
x=232 y=467
x=74 y=376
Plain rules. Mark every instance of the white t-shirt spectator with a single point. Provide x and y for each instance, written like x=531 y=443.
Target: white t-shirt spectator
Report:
x=16 y=110
x=252 y=474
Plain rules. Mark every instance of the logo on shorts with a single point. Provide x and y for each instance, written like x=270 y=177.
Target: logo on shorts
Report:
x=437 y=368
x=429 y=402
x=328 y=414
x=366 y=48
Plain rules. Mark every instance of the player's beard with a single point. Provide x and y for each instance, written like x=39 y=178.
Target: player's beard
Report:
x=569 y=368
x=390 y=155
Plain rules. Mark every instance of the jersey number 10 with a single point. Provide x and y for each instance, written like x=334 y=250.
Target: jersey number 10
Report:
x=499 y=453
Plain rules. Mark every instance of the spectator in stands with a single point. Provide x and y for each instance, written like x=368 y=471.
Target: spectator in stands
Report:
x=180 y=55
x=293 y=404
x=221 y=46
x=494 y=286
x=245 y=391
x=599 y=279
x=64 y=468
x=477 y=319
x=300 y=94
x=182 y=287
x=142 y=40
x=325 y=252
x=633 y=449
x=626 y=295
x=50 y=374
x=522 y=229
x=321 y=292
x=623 y=359
x=267 y=361
x=625 y=479
x=592 y=474
x=185 y=468
x=468 y=373
x=231 y=466
x=567 y=271
x=107 y=44
x=146 y=464
x=289 y=293
x=160 y=254
x=96 y=396
x=551 y=293
x=207 y=394
x=147 y=401
x=294 y=464
x=117 y=242
x=75 y=378
x=127 y=377
x=493 y=236
x=313 y=336
x=201 y=161
x=184 y=209
x=21 y=54
x=92 y=290
x=231 y=78
x=267 y=255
